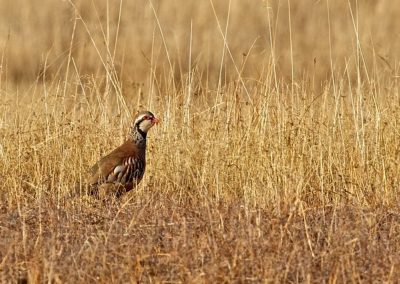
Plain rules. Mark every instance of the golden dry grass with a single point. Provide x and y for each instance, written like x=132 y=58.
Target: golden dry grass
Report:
x=277 y=159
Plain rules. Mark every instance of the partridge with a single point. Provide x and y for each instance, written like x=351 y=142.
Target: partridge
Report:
x=123 y=169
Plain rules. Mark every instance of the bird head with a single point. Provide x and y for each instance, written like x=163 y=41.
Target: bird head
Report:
x=145 y=120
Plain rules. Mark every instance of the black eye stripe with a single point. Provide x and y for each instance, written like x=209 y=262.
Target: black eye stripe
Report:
x=146 y=117
x=140 y=120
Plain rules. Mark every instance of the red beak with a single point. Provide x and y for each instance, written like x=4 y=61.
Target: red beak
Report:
x=155 y=120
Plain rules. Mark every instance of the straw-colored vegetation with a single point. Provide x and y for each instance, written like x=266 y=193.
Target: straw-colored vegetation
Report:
x=277 y=158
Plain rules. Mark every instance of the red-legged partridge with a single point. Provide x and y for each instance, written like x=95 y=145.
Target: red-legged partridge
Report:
x=123 y=169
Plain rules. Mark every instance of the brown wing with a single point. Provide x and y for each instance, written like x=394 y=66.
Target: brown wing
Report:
x=106 y=165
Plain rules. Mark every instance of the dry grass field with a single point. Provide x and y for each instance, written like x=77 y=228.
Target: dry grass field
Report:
x=277 y=159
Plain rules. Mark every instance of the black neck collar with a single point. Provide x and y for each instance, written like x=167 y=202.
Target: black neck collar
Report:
x=141 y=132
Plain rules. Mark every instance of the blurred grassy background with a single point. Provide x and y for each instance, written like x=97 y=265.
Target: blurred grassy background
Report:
x=321 y=32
